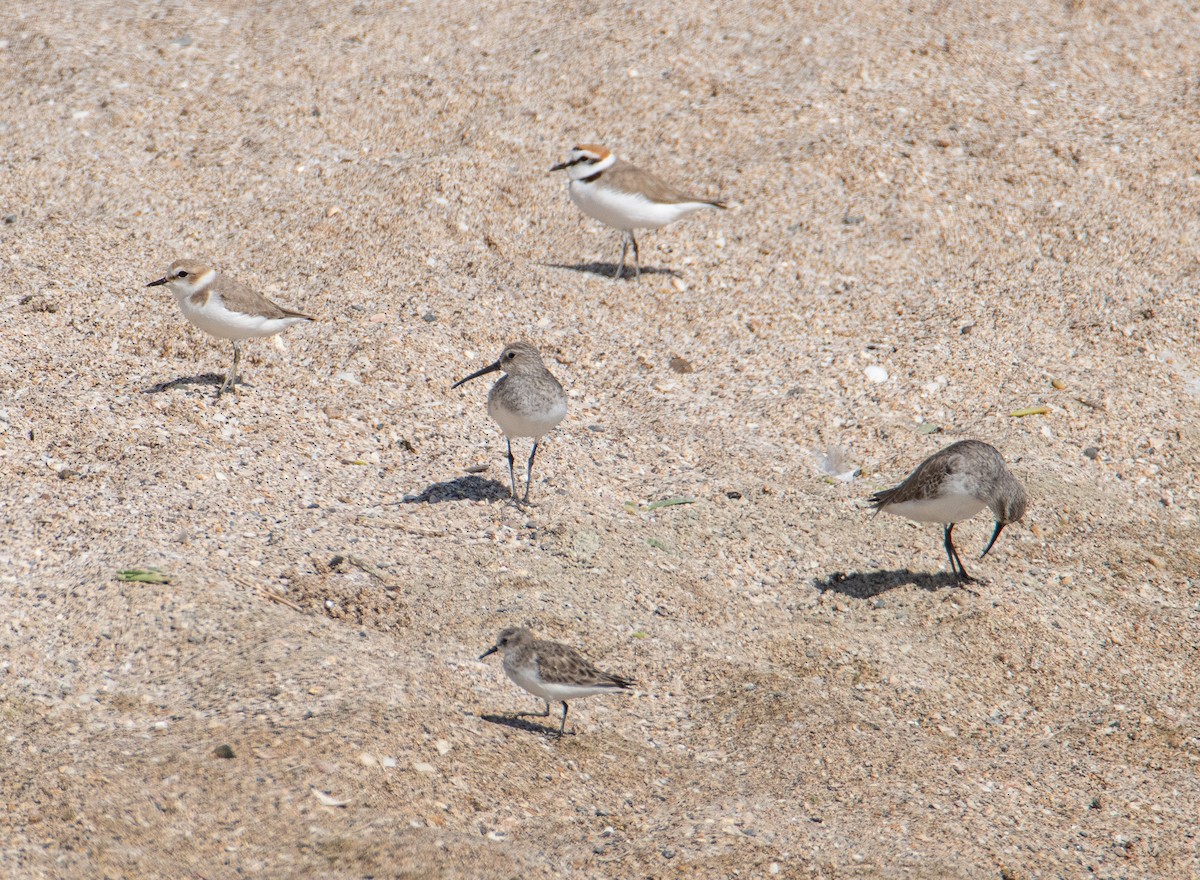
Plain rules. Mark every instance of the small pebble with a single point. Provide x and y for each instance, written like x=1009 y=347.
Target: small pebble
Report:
x=223 y=751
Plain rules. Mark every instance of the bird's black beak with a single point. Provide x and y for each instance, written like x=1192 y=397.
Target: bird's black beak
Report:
x=491 y=368
x=995 y=535
x=162 y=280
x=564 y=165
x=490 y=651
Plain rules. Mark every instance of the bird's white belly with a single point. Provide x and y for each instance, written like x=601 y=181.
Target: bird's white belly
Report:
x=525 y=424
x=552 y=691
x=950 y=507
x=214 y=318
x=626 y=211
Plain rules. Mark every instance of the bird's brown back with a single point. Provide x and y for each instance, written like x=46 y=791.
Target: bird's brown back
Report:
x=631 y=178
x=563 y=664
x=929 y=475
x=238 y=297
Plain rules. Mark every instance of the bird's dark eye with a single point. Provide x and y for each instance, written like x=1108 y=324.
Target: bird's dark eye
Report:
x=511 y=355
x=181 y=274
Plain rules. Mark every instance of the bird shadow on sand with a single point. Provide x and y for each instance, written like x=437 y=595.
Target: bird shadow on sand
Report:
x=468 y=488
x=868 y=584
x=215 y=379
x=523 y=724
x=607 y=269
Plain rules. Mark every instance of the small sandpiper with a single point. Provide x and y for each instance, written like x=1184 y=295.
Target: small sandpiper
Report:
x=526 y=402
x=225 y=308
x=624 y=196
x=551 y=671
x=953 y=485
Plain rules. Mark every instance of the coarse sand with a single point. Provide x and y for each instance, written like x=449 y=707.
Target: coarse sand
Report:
x=941 y=214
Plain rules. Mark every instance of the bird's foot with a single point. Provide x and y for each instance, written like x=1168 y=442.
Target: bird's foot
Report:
x=964 y=579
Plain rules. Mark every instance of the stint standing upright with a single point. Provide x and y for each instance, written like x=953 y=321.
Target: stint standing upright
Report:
x=526 y=402
x=552 y=671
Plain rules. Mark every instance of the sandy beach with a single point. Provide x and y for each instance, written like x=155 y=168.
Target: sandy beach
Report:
x=940 y=215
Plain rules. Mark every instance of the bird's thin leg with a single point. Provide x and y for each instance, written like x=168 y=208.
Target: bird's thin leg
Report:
x=967 y=579
x=563 y=726
x=545 y=713
x=948 y=543
x=529 y=473
x=624 y=248
x=637 y=260
x=512 y=477
x=960 y=570
x=230 y=379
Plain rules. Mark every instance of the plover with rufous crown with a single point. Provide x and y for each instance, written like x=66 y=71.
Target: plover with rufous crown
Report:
x=551 y=671
x=225 y=308
x=624 y=196
x=526 y=402
x=953 y=485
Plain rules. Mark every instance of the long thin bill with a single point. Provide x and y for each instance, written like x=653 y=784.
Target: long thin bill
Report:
x=491 y=368
x=162 y=280
x=489 y=652
x=995 y=535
